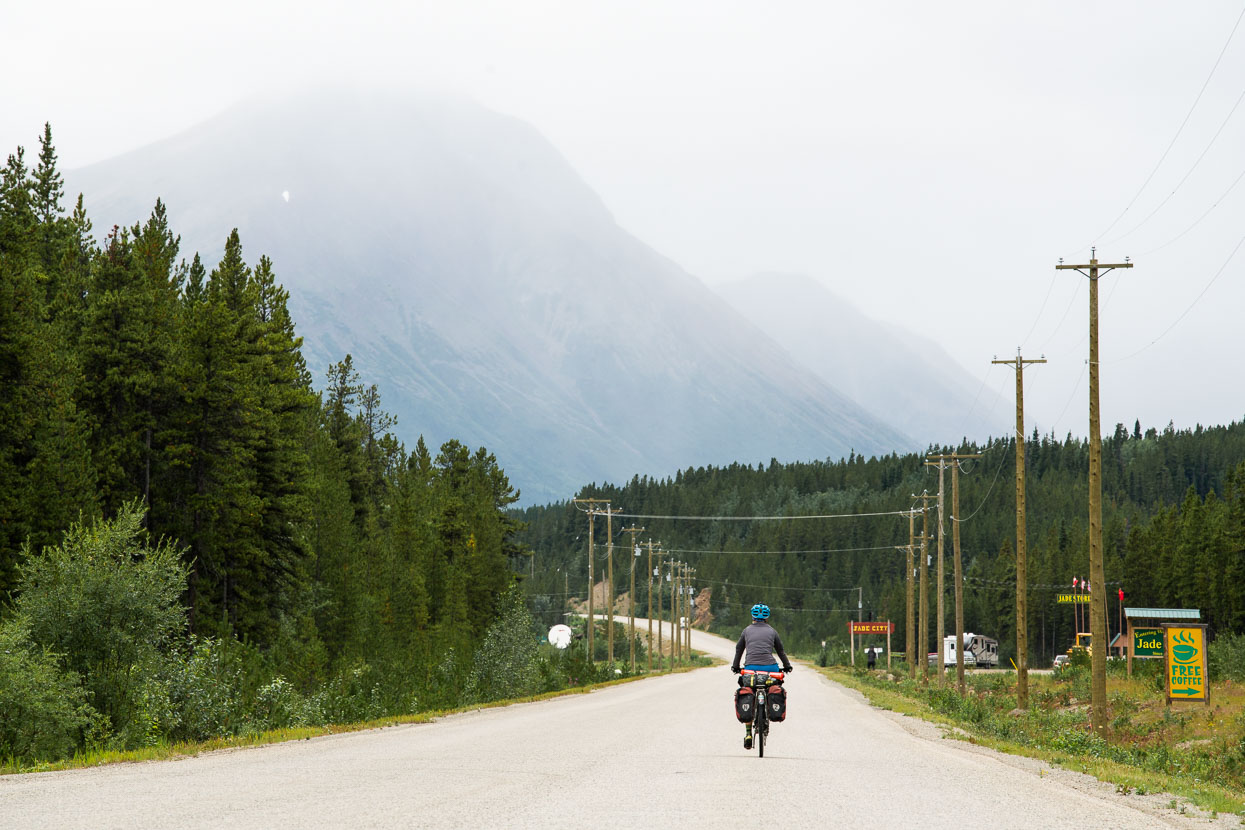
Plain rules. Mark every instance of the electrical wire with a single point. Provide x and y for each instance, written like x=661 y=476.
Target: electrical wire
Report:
x=1185 y=313
x=1186 y=176
x=825 y=550
x=759 y=518
x=1198 y=221
x=1003 y=583
x=1179 y=130
x=1076 y=387
x=728 y=583
x=986 y=497
x=1045 y=300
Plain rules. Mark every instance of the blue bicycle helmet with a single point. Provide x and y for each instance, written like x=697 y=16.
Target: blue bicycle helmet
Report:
x=760 y=612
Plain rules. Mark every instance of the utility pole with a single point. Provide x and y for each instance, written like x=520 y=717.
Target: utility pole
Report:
x=650 y=606
x=1098 y=602
x=660 y=654
x=924 y=610
x=592 y=623
x=959 y=569
x=955 y=458
x=941 y=626
x=1022 y=557
x=910 y=621
x=691 y=610
x=635 y=551
x=609 y=628
x=673 y=577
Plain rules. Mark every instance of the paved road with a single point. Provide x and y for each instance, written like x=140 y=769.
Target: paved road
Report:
x=664 y=752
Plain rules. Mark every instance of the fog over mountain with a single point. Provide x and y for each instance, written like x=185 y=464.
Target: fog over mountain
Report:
x=907 y=380
x=485 y=288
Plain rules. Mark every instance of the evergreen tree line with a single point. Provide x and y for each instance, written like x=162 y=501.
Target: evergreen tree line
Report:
x=156 y=413
x=1174 y=536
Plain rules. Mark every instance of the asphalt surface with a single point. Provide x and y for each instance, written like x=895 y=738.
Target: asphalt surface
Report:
x=664 y=752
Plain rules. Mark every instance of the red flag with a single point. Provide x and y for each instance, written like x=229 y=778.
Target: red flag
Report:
x=1074 y=581
x=1121 y=595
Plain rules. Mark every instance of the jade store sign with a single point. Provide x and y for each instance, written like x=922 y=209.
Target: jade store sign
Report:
x=1148 y=642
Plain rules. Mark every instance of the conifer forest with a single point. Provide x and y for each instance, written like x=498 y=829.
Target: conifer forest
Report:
x=194 y=542
x=203 y=536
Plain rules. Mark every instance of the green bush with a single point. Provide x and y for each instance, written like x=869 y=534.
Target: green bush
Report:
x=45 y=713
x=1227 y=657
x=204 y=681
x=505 y=663
x=107 y=603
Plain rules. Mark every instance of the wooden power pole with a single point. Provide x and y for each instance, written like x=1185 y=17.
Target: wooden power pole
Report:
x=924 y=610
x=691 y=610
x=592 y=512
x=910 y=621
x=1022 y=559
x=940 y=625
x=955 y=458
x=650 y=606
x=674 y=588
x=1097 y=602
x=635 y=553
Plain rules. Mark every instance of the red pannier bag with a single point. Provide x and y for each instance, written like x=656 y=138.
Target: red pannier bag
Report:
x=745 y=704
x=776 y=703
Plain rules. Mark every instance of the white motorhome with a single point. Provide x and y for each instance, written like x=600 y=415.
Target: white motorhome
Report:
x=979 y=651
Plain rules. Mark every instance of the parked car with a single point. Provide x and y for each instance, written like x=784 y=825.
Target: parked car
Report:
x=1061 y=660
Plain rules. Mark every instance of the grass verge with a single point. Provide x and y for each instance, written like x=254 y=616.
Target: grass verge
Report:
x=167 y=752
x=1194 y=768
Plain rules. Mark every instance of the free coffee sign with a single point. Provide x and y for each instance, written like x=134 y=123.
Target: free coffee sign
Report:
x=1185 y=649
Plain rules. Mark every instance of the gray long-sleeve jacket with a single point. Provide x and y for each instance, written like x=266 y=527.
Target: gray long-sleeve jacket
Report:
x=761 y=642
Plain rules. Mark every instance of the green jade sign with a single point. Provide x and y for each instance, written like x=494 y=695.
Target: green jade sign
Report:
x=1147 y=642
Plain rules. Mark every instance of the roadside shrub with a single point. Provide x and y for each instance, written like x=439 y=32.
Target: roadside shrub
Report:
x=106 y=602
x=354 y=694
x=504 y=663
x=1227 y=657
x=45 y=713
x=204 y=680
x=278 y=705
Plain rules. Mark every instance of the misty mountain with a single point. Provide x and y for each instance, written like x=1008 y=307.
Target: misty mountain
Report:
x=907 y=380
x=484 y=287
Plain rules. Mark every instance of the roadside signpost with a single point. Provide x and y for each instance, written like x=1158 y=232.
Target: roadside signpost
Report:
x=1185 y=664
x=1147 y=642
x=854 y=628
x=1145 y=630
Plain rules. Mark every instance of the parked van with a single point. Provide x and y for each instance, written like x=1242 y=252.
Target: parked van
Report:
x=980 y=651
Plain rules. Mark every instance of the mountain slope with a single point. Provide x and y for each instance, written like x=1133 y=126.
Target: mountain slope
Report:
x=484 y=287
x=907 y=380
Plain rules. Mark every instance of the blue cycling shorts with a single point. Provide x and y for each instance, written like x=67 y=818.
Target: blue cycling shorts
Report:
x=770 y=667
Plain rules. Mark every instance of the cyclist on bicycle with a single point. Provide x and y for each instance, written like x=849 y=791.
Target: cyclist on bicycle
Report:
x=761 y=643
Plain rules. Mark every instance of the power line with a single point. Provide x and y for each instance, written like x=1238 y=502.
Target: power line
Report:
x=825 y=550
x=1198 y=221
x=988 y=492
x=1186 y=176
x=728 y=583
x=759 y=518
x=1185 y=313
x=781 y=608
x=1179 y=130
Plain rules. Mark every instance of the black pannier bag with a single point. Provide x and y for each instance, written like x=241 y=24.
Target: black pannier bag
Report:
x=776 y=703
x=745 y=705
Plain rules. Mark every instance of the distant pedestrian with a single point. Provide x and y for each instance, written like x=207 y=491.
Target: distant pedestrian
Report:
x=871 y=656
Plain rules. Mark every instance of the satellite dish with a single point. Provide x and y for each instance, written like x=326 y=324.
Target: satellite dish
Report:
x=560 y=636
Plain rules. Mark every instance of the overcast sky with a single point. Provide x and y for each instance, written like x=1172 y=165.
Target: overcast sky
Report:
x=930 y=162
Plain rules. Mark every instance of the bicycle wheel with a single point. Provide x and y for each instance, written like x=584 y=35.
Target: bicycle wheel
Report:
x=759 y=731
